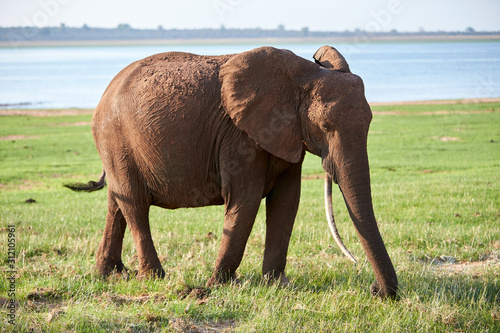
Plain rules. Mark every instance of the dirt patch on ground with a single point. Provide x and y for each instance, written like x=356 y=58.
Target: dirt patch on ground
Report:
x=17 y=137
x=22 y=186
x=199 y=293
x=451 y=266
x=125 y=299
x=78 y=123
x=45 y=113
x=474 y=268
x=447 y=138
x=313 y=176
x=184 y=325
x=44 y=295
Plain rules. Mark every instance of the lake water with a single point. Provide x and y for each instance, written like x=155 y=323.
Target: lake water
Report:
x=64 y=77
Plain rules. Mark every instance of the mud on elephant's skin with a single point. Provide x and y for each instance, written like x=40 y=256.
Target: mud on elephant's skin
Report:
x=182 y=130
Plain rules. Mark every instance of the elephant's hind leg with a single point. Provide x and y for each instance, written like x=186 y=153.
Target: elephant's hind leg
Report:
x=134 y=204
x=136 y=214
x=108 y=256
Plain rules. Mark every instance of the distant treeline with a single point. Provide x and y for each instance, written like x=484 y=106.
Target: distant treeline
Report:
x=125 y=32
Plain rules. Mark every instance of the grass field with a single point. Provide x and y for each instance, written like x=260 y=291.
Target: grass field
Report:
x=436 y=190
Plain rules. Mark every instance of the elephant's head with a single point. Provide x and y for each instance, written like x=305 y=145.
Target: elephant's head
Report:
x=288 y=104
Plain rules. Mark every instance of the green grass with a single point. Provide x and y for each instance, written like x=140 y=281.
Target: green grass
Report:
x=436 y=192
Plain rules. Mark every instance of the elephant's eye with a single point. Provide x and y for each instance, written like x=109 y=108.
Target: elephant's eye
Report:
x=325 y=126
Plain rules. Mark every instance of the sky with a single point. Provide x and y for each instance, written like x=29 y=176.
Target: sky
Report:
x=327 y=15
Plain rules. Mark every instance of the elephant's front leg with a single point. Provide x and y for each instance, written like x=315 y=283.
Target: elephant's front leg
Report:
x=241 y=209
x=281 y=209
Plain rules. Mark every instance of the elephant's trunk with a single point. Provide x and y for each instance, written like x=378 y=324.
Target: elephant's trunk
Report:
x=354 y=182
x=331 y=219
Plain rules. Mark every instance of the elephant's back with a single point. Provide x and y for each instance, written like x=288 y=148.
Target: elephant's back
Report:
x=160 y=76
x=160 y=88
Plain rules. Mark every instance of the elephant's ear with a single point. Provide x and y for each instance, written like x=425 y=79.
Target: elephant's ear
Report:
x=260 y=95
x=329 y=57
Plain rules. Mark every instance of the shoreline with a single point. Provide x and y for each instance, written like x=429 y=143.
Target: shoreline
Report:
x=356 y=40
x=85 y=111
x=439 y=102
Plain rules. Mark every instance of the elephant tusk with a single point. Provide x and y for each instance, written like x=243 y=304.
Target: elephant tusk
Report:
x=331 y=219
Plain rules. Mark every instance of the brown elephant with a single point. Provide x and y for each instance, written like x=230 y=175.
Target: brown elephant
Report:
x=182 y=130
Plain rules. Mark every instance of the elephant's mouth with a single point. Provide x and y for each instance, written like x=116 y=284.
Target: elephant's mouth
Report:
x=330 y=169
x=331 y=219
x=333 y=176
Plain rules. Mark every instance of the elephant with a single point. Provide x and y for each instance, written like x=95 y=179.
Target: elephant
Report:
x=179 y=130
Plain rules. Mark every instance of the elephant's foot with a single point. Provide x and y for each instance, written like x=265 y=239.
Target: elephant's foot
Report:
x=154 y=272
x=109 y=267
x=223 y=277
x=377 y=291
x=273 y=277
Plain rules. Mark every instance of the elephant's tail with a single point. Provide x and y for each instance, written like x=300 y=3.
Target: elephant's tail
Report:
x=91 y=186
